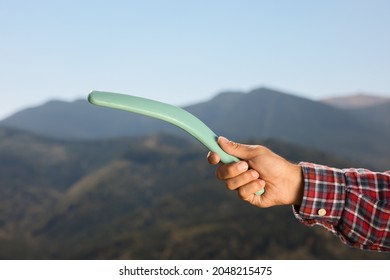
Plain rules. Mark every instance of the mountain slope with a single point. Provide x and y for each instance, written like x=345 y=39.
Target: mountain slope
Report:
x=379 y=114
x=142 y=198
x=80 y=120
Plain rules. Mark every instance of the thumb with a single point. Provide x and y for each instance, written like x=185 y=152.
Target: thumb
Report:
x=241 y=151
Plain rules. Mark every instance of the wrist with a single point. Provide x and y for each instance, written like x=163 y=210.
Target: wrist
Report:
x=297 y=184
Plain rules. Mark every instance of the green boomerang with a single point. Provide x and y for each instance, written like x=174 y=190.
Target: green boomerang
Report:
x=166 y=112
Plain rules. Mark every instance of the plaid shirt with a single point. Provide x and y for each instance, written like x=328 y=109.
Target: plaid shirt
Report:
x=354 y=204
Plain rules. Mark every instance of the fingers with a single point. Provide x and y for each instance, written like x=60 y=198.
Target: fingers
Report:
x=227 y=171
x=242 y=179
x=243 y=176
x=239 y=177
x=247 y=191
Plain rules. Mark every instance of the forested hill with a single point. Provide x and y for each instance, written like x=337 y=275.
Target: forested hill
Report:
x=151 y=197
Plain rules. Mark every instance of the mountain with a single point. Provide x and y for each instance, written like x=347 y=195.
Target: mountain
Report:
x=379 y=114
x=151 y=197
x=356 y=101
x=80 y=120
x=265 y=114
x=259 y=114
x=375 y=109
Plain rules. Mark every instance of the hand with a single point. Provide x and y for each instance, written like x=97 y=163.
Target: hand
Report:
x=259 y=168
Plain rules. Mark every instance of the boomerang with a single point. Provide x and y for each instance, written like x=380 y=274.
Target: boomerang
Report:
x=166 y=112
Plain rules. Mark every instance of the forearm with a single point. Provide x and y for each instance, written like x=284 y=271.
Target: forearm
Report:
x=354 y=204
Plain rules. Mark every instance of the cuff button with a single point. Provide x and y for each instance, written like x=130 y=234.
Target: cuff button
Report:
x=321 y=212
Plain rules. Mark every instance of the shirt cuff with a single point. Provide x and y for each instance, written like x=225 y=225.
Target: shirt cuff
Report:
x=324 y=195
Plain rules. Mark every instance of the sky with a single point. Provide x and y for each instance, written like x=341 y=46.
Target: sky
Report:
x=183 y=52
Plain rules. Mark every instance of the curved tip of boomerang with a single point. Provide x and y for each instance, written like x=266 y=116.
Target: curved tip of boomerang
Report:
x=91 y=98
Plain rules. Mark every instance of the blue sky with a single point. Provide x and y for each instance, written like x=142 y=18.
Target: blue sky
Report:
x=183 y=52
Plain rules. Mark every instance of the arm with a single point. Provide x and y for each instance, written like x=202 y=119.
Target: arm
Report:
x=354 y=204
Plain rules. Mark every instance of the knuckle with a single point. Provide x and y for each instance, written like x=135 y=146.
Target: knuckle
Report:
x=230 y=185
x=247 y=190
x=227 y=171
x=242 y=194
x=262 y=149
x=220 y=172
x=218 y=175
x=234 y=145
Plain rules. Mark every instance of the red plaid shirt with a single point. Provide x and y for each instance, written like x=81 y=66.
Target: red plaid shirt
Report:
x=354 y=204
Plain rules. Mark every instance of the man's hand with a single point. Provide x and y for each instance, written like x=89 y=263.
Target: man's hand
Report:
x=259 y=168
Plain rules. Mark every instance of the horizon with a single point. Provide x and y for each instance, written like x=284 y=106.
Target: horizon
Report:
x=322 y=99
x=182 y=53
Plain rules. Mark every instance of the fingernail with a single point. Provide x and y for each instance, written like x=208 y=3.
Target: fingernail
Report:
x=242 y=166
x=254 y=174
x=222 y=139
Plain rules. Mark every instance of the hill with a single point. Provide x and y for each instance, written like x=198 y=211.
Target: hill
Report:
x=142 y=198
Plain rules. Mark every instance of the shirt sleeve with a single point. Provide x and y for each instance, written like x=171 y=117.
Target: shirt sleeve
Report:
x=353 y=204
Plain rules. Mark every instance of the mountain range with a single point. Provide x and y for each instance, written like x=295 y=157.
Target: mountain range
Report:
x=361 y=134
x=151 y=197
x=84 y=182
